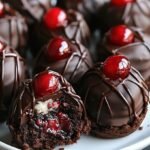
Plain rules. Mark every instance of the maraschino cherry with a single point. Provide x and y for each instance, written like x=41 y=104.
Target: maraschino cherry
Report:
x=58 y=49
x=120 y=35
x=55 y=18
x=120 y=3
x=116 y=67
x=45 y=83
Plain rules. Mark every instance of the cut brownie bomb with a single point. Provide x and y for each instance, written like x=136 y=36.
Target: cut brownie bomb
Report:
x=115 y=96
x=46 y=112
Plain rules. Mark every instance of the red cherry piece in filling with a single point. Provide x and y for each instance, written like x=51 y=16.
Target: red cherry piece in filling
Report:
x=120 y=3
x=120 y=35
x=1 y=9
x=39 y=122
x=45 y=125
x=58 y=49
x=53 y=125
x=44 y=84
x=55 y=18
x=53 y=105
x=116 y=67
x=64 y=122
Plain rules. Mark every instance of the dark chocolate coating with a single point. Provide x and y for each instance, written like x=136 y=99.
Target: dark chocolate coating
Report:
x=13 y=28
x=24 y=135
x=138 y=52
x=33 y=10
x=72 y=68
x=12 y=72
x=133 y=14
x=114 y=106
x=76 y=29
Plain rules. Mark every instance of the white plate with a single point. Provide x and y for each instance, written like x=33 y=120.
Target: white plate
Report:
x=136 y=141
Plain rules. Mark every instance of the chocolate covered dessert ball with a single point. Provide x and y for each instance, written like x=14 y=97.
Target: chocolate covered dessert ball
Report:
x=131 y=12
x=12 y=72
x=130 y=43
x=46 y=113
x=57 y=21
x=33 y=10
x=115 y=96
x=13 y=28
x=117 y=37
x=70 y=59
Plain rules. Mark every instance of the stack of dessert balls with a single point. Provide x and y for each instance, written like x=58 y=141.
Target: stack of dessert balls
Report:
x=72 y=67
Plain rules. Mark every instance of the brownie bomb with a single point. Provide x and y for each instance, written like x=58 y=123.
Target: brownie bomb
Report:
x=13 y=28
x=69 y=58
x=130 y=12
x=46 y=113
x=57 y=21
x=115 y=96
x=130 y=43
x=12 y=72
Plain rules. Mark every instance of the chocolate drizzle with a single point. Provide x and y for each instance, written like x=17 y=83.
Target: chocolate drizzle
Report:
x=12 y=73
x=71 y=68
x=113 y=103
x=25 y=102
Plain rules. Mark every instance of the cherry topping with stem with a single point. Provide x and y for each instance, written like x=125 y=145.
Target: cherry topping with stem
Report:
x=116 y=67
x=58 y=49
x=120 y=3
x=45 y=83
x=55 y=18
x=120 y=35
